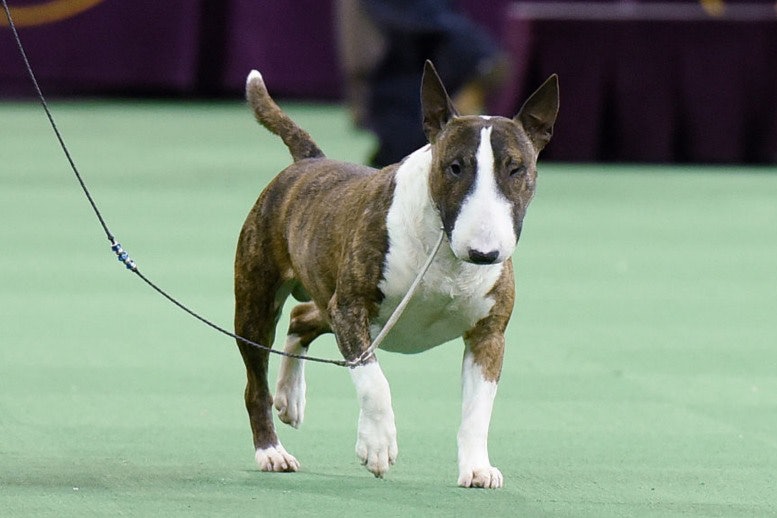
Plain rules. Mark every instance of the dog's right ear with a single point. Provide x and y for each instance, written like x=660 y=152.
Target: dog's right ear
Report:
x=436 y=106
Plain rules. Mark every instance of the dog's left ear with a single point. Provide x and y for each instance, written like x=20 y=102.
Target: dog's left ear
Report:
x=538 y=113
x=436 y=106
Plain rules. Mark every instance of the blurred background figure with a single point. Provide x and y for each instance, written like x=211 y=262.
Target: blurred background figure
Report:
x=383 y=45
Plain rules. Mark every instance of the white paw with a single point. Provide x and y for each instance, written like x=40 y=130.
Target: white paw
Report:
x=276 y=458
x=376 y=443
x=376 y=438
x=487 y=477
x=289 y=400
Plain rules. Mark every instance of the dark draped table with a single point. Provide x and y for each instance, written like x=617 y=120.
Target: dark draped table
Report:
x=651 y=82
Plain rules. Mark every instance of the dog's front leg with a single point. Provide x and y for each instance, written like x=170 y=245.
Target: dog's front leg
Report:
x=480 y=373
x=376 y=439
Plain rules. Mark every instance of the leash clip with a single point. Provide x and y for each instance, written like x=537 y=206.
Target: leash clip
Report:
x=123 y=256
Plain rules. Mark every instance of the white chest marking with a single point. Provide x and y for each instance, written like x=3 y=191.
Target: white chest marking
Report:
x=485 y=221
x=453 y=295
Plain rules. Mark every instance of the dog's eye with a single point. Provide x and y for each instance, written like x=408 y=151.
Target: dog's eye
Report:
x=517 y=171
x=454 y=168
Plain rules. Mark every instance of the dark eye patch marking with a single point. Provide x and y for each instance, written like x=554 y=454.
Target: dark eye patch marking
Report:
x=453 y=169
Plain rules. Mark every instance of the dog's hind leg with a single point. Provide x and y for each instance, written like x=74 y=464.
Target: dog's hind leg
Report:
x=257 y=307
x=307 y=324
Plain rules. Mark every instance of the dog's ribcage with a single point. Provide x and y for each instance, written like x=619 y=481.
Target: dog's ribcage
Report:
x=453 y=295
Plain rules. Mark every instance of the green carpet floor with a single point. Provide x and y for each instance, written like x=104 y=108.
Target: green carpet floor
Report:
x=640 y=377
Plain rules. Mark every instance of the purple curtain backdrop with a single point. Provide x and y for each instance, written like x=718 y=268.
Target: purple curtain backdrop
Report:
x=116 y=46
x=691 y=90
x=189 y=46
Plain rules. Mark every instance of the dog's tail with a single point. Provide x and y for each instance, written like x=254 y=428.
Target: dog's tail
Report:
x=270 y=116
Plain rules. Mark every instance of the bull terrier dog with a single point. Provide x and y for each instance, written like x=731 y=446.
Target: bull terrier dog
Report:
x=347 y=241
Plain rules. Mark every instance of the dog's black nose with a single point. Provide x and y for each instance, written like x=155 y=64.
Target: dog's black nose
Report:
x=478 y=257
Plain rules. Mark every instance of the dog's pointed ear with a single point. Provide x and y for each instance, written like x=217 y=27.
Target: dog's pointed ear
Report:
x=436 y=106
x=538 y=113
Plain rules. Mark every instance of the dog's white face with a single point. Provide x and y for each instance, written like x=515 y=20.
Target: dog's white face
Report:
x=482 y=180
x=484 y=170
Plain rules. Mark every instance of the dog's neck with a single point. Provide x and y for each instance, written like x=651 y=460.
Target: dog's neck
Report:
x=412 y=211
